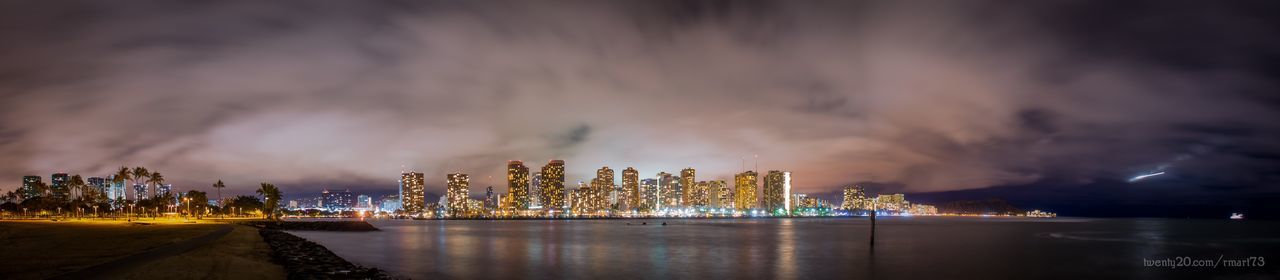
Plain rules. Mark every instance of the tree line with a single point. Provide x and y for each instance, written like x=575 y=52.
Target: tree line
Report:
x=77 y=198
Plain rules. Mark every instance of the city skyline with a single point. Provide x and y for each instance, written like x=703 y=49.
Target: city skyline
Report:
x=639 y=139
x=1035 y=104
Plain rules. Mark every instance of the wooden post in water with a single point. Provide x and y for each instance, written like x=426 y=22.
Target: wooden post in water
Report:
x=873 y=226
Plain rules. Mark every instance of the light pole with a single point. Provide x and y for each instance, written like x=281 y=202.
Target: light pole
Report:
x=95 y=211
x=188 y=202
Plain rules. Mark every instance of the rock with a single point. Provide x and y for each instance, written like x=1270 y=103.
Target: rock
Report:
x=316 y=225
x=304 y=259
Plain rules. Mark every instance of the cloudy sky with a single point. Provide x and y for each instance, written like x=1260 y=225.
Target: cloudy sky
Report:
x=926 y=97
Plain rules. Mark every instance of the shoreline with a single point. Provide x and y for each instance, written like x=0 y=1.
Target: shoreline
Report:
x=303 y=219
x=306 y=259
x=262 y=249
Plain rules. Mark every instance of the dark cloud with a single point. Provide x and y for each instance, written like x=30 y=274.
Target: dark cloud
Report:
x=920 y=98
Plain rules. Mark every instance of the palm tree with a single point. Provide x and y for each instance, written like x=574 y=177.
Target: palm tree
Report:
x=218 y=186
x=140 y=173
x=155 y=179
x=121 y=176
x=271 y=195
x=75 y=185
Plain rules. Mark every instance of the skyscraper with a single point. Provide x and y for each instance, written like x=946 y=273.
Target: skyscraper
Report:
x=855 y=198
x=140 y=192
x=58 y=184
x=689 y=184
x=605 y=176
x=699 y=194
x=116 y=189
x=777 y=192
x=412 y=192
x=164 y=190
x=744 y=185
x=553 y=185
x=649 y=195
x=630 y=189
x=894 y=203
x=338 y=201
x=98 y=186
x=458 y=189
x=721 y=196
x=31 y=186
x=364 y=202
x=518 y=184
x=535 y=191
x=668 y=191
x=489 y=200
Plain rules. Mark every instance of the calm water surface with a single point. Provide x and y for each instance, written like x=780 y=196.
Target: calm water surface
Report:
x=810 y=248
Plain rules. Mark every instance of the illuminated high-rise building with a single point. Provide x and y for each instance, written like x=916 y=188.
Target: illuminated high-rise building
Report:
x=413 y=192
x=338 y=200
x=518 y=184
x=797 y=200
x=668 y=191
x=745 y=185
x=699 y=194
x=605 y=176
x=535 y=191
x=458 y=190
x=140 y=192
x=649 y=195
x=58 y=184
x=687 y=180
x=630 y=189
x=31 y=186
x=115 y=190
x=578 y=199
x=597 y=195
x=720 y=195
x=489 y=200
x=97 y=185
x=553 y=185
x=777 y=192
x=892 y=203
x=164 y=190
x=855 y=198
x=603 y=186
x=364 y=202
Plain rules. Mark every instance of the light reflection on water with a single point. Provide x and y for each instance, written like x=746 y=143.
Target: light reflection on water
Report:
x=907 y=248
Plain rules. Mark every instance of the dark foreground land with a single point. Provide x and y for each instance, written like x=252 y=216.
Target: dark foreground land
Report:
x=172 y=250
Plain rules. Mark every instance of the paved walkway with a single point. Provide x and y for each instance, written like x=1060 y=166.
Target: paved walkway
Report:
x=116 y=268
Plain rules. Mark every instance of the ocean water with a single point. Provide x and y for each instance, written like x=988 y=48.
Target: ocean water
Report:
x=817 y=248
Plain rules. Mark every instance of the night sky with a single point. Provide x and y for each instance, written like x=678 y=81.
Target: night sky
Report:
x=1054 y=104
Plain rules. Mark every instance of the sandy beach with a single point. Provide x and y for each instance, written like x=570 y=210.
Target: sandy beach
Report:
x=48 y=249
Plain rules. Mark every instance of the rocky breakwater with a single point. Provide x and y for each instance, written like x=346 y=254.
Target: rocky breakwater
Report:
x=316 y=225
x=304 y=259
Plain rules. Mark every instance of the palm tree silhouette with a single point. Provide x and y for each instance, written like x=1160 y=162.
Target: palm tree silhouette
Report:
x=272 y=195
x=139 y=174
x=76 y=184
x=121 y=177
x=218 y=186
x=156 y=180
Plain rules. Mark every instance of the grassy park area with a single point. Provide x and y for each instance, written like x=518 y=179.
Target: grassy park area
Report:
x=38 y=249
